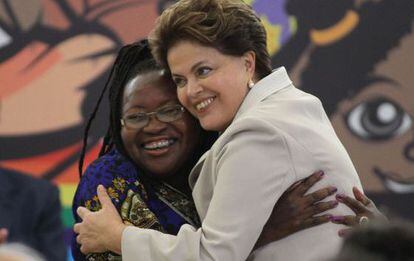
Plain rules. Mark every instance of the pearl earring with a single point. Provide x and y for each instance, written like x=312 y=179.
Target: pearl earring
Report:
x=250 y=84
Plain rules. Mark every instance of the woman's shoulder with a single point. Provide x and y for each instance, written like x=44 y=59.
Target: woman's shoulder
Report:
x=112 y=170
x=108 y=169
x=246 y=130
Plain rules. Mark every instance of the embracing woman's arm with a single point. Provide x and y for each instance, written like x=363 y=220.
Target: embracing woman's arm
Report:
x=297 y=210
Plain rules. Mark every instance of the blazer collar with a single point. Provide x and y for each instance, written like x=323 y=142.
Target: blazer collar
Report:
x=195 y=172
x=272 y=83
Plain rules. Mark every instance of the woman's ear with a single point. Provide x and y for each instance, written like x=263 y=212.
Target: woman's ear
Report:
x=250 y=62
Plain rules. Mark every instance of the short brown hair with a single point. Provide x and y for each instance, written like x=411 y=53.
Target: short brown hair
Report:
x=230 y=26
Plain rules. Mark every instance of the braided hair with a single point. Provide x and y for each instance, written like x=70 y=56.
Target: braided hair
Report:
x=132 y=59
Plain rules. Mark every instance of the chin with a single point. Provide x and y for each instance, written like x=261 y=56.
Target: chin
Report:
x=211 y=126
x=166 y=171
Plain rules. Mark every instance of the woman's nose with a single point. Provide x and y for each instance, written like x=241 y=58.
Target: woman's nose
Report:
x=154 y=125
x=194 y=88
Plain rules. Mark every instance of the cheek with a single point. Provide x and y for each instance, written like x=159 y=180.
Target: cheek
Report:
x=182 y=98
x=188 y=129
x=124 y=138
x=185 y=102
x=236 y=96
x=127 y=139
x=181 y=95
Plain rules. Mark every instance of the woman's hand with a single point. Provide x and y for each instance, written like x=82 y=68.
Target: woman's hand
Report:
x=363 y=207
x=100 y=231
x=296 y=211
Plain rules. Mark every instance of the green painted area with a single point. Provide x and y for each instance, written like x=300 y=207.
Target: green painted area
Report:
x=67 y=217
x=293 y=24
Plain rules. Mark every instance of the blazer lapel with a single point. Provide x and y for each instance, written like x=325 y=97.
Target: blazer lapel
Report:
x=195 y=172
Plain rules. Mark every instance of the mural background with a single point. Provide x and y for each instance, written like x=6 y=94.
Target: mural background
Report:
x=357 y=56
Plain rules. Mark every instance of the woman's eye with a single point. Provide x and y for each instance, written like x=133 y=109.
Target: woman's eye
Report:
x=167 y=111
x=378 y=119
x=136 y=117
x=179 y=82
x=203 y=71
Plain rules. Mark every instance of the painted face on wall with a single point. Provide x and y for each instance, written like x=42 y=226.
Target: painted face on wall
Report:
x=210 y=85
x=159 y=147
x=376 y=125
x=35 y=69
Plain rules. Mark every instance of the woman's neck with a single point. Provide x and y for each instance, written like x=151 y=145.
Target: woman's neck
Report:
x=179 y=182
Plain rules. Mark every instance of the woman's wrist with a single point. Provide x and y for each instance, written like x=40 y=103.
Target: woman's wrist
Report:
x=114 y=241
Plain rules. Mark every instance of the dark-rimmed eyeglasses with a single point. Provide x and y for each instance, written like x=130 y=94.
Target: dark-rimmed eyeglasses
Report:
x=141 y=119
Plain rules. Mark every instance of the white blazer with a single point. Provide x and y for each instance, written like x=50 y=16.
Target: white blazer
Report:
x=279 y=135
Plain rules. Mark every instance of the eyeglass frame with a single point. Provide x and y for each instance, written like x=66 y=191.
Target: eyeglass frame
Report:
x=149 y=116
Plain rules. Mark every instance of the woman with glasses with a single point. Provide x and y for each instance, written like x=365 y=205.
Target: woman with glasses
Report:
x=142 y=158
x=151 y=145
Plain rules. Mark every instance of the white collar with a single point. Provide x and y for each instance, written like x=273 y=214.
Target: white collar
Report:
x=272 y=83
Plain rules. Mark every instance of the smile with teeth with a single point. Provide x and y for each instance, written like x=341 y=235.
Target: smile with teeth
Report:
x=202 y=105
x=159 y=144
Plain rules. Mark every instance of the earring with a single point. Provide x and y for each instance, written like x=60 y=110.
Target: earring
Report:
x=250 y=84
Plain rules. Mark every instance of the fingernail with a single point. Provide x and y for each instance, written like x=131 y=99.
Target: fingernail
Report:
x=337 y=219
x=333 y=189
x=320 y=174
x=340 y=197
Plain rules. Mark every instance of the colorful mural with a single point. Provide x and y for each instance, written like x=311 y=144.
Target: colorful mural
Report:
x=356 y=55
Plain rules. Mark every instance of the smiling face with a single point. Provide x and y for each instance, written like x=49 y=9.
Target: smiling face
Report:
x=210 y=85
x=377 y=126
x=160 y=148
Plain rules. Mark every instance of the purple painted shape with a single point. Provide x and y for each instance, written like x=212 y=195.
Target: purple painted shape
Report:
x=275 y=12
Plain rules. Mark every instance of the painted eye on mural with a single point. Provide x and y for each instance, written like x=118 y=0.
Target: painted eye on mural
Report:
x=378 y=119
x=5 y=38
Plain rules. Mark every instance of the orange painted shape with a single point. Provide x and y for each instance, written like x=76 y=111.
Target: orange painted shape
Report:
x=17 y=72
x=38 y=165
x=336 y=32
x=71 y=174
x=54 y=16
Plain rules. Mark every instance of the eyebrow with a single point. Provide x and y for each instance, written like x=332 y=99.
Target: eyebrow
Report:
x=192 y=67
x=132 y=107
x=162 y=105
